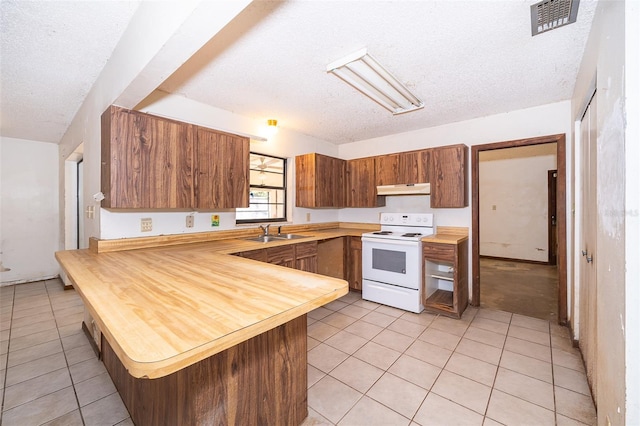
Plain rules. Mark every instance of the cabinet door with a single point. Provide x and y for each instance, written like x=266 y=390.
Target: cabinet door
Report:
x=221 y=170
x=387 y=169
x=361 y=184
x=146 y=161
x=355 y=263
x=282 y=255
x=320 y=181
x=260 y=254
x=448 y=176
x=307 y=256
x=330 y=185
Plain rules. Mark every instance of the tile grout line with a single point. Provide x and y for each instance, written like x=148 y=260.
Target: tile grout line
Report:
x=6 y=366
x=64 y=353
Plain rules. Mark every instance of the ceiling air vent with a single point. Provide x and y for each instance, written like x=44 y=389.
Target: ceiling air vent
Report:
x=551 y=14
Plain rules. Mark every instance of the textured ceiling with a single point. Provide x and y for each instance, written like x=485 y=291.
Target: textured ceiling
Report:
x=51 y=52
x=464 y=59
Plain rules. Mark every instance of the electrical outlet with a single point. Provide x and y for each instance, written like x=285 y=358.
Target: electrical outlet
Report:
x=146 y=224
x=308 y=217
x=189 y=222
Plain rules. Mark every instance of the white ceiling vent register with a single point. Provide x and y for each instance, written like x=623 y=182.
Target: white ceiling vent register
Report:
x=551 y=14
x=366 y=75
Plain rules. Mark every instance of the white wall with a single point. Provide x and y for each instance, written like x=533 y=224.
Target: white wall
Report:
x=29 y=233
x=514 y=204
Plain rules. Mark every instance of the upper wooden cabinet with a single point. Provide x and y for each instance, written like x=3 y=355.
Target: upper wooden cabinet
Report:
x=402 y=167
x=361 y=184
x=151 y=162
x=146 y=161
x=221 y=170
x=448 y=176
x=320 y=181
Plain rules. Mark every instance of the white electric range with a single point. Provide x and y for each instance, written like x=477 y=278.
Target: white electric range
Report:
x=392 y=260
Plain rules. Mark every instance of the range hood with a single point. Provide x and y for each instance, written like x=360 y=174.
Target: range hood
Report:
x=405 y=189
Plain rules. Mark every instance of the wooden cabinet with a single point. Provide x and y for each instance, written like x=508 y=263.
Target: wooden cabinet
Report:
x=448 y=176
x=146 y=161
x=354 y=269
x=260 y=254
x=301 y=256
x=221 y=170
x=282 y=255
x=307 y=256
x=387 y=169
x=445 y=285
x=320 y=181
x=151 y=162
x=361 y=184
x=402 y=167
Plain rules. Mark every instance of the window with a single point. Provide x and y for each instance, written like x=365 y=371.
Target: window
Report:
x=267 y=190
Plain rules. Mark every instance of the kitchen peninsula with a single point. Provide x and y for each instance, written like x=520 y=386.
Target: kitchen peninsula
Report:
x=191 y=335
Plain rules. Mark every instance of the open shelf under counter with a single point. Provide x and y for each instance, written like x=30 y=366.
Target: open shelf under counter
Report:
x=445 y=282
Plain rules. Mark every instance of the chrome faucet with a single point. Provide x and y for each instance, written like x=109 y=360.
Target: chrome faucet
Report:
x=265 y=229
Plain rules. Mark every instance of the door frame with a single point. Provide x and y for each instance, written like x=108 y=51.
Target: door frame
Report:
x=552 y=182
x=561 y=195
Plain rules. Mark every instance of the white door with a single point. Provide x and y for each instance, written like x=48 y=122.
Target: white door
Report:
x=588 y=211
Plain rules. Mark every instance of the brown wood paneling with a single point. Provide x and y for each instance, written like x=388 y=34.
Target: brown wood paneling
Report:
x=361 y=184
x=260 y=254
x=282 y=255
x=332 y=258
x=354 y=266
x=387 y=169
x=259 y=381
x=146 y=161
x=221 y=170
x=307 y=256
x=561 y=195
x=448 y=176
x=320 y=181
x=439 y=251
x=449 y=303
x=306 y=180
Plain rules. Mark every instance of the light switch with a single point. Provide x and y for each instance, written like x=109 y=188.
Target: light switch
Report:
x=493 y=207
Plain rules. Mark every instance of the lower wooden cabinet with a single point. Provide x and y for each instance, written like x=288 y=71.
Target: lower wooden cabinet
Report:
x=307 y=256
x=445 y=285
x=260 y=254
x=354 y=271
x=282 y=255
x=302 y=256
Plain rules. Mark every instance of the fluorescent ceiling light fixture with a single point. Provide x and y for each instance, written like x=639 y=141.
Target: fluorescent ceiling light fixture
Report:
x=366 y=75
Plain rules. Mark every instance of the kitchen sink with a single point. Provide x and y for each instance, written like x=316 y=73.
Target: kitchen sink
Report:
x=263 y=238
x=289 y=236
x=275 y=237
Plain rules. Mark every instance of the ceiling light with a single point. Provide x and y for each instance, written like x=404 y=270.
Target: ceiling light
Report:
x=272 y=128
x=365 y=74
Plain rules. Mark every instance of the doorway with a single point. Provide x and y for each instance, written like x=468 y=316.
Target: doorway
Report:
x=560 y=197
x=73 y=210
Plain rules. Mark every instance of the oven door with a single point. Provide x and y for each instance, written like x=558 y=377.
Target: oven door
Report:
x=392 y=262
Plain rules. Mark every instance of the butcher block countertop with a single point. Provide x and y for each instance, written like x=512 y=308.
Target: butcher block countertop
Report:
x=448 y=235
x=165 y=308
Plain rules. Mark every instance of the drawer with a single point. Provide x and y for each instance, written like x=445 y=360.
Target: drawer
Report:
x=439 y=251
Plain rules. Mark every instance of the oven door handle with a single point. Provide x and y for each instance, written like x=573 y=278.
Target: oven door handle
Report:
x=389 y=242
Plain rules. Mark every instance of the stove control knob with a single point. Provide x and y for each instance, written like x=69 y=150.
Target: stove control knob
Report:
x=418 y=219
x=390 y=218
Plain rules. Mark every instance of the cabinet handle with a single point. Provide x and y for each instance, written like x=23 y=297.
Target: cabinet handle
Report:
x=584 y=252
x=589 y=259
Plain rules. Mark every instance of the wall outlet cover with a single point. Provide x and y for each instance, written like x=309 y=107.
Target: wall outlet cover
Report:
x=146 y=224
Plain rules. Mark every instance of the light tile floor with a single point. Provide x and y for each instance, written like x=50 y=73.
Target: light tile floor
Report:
x=368 y=364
